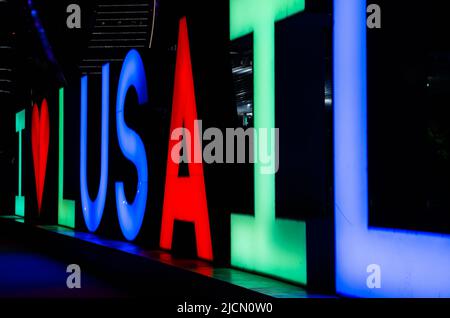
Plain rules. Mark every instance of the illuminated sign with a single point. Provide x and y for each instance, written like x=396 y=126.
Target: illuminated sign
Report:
x=66 y=208
x=40 y=138
x=185 y=197
x=262 y=242
x=20 y=199
x=411 y=264
x=93 y=210
x=131 y=215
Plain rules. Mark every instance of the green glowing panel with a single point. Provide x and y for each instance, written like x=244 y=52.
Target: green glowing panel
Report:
x=263 y=243
x=66 y=208
x=20 y=205
x=20 y=200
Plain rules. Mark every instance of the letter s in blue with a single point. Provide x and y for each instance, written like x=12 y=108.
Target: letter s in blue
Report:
x=131 y=215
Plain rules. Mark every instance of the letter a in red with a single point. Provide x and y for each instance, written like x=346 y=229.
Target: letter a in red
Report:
x=185 y=197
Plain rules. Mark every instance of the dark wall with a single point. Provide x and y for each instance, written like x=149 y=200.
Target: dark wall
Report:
x=409 y=136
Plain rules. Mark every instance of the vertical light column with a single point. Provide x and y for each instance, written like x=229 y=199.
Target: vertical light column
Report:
x=66 y=208
x=20 y=200
x=264 y=243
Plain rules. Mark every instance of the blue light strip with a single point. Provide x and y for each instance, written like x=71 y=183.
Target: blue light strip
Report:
x=43 y=38
x=413 y=264
x=131 y=215
x=93 y=211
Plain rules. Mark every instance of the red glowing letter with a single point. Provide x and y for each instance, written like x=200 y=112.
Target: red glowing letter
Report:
x=185 y=197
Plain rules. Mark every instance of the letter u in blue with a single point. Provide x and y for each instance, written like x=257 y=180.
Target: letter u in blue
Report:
x=93 y=210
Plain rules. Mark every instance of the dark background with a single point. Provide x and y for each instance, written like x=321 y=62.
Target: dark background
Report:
x=408 y=117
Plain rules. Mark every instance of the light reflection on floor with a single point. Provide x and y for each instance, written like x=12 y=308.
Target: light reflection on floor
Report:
x=45 y=276
x=261 y=284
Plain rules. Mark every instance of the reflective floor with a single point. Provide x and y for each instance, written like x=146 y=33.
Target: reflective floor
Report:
x=25 y=272
x=258 y=283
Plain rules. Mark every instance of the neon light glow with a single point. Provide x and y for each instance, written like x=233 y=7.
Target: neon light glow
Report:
x=93 y=210
x=66 y=208
x=413 y=264
x=40 y=138
x=185 y=197
x=131 y=215
x=20 y=200
x=263 y=243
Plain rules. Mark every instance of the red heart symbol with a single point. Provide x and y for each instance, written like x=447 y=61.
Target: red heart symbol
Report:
x=40 y=135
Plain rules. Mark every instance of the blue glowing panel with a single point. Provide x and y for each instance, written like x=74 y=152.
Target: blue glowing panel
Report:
x=411 y=264
x=131 y=215
x=93 y=210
